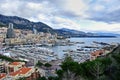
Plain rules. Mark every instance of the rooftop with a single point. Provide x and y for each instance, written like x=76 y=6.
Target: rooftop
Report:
x=15 y=63
x=23 y=70
x=2 y=75
x=97 y=53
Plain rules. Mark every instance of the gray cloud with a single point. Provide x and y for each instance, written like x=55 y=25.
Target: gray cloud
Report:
x=105 y=11
x=65 y=13
x=112 y=17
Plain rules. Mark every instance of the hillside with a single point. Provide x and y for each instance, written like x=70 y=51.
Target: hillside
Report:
x=21 y=23
x=75 y=33
x=102 y=68
x=69 y=32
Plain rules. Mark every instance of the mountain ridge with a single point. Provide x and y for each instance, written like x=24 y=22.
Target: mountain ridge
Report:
x=22 y=23
x=76 y=33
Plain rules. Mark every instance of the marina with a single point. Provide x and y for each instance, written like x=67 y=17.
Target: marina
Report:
x=80 y=51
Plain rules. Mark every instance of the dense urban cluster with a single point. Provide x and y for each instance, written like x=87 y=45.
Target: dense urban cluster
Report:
x=24 y=55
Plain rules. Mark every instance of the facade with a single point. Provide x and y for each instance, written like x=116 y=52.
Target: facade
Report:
x=3 y=32
x=25 y=72
x=2 y=67
x=16 y=70
x=12 y=67
x=15 y=41
x=10 y=31
x=34 y=31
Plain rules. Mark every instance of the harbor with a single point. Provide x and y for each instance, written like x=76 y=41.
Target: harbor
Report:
x=80 y=51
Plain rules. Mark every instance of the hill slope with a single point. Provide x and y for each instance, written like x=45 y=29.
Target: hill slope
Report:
x=21 y=23
x=75 y=33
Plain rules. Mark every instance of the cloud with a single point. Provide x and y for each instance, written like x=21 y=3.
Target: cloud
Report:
x=77 y=7
x=105 y=11
x=65 y=23
x=88 y=15
x=112 y=17
x=94 y=26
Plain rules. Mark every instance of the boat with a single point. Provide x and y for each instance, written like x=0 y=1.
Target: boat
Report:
x=80 y=49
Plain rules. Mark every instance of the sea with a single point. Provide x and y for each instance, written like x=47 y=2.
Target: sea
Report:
x=59 y=50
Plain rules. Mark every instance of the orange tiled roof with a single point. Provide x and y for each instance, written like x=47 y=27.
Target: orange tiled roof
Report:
x=97 y=53
x=23 y=70
x=15 y=63
x=2 y=75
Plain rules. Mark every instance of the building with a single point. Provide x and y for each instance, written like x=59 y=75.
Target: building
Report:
x=14 y=66
x=15 y=41
x=10 y=31
x=34 y=30
x=28 y=73
x=96 y=54
x=2 y=76
x=16 y=70
x=2 y=67
x=3 y=32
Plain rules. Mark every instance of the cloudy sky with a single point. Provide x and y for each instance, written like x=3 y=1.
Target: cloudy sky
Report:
x=83 y=15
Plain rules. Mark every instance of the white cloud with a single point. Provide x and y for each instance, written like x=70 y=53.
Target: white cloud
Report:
x=99 y=8
x=65 y=13
x=76 y=6
x=101 y=26
x=65 y=23
x=35 y=6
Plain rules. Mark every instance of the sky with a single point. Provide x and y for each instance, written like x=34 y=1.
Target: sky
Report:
x=82 y=15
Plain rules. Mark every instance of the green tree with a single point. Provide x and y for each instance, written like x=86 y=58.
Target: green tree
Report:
x=70 y=69
x=97 y=67
x=6 y=58
x=53 y=78
x=42 y=78
x=39 y=64
x=23 y=78
x=47 y=65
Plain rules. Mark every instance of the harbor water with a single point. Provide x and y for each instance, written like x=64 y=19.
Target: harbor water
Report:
x=87 y=42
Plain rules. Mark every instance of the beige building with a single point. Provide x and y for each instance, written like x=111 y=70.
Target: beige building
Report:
x=15 y=41
x=3 y=32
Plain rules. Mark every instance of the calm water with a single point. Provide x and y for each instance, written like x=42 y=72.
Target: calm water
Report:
x=88 y=41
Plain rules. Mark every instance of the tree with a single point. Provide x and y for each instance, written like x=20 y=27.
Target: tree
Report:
x=97 y=67
x=47 y=65
x=69 y=70
x=90 y=70
x=53 y=78
x=23 y=78
x=42 y=78
x=39 y=64
x=6 y=58
x=60 y=74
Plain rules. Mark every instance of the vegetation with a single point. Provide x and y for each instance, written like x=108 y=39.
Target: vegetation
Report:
x=49 y=78
x=47 y=65
x=22 y=78
x=39 y=64
x=105 y=68
x=25 y=24
x=9 y=59
x=6 y=58
x=42 y=78
x=2 y=25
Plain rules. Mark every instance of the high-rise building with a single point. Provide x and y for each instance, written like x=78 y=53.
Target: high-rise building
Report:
x=10 y=31
x=34 y=30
